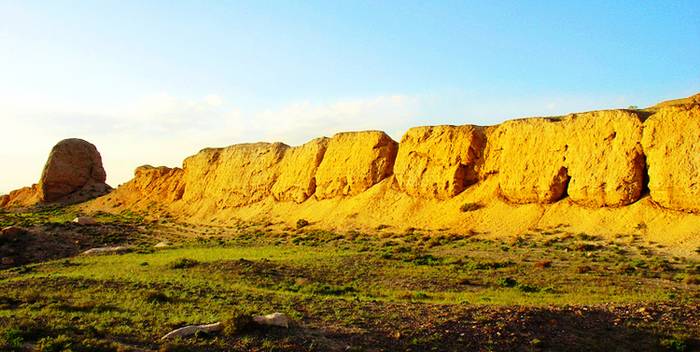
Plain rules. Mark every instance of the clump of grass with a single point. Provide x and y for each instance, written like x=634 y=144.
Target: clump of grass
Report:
x=676 y=343
x=543 y=264
x=417 y=295
x=301 y=223
x=582 y=269
x=426 y=259
x=507 y=282
x=157 y=297
x=691 y=280
x=239 y=320
x=585 y=237
x=12 y=338
x=327 y=289
x=183 y=263
x=59 y=343
x=467 y=207
x=528 y=288
x=487 y=265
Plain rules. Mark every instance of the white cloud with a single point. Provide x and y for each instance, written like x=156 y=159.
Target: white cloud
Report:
x=163 y=129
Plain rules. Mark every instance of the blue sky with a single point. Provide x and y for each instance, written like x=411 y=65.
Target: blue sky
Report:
x=155 y=81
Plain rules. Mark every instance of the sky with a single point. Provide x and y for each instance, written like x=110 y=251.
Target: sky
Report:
x=152 y=82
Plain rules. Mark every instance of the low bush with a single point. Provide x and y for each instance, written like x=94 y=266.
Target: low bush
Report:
x=183 y=263
x=467 y=207
x=301 y=223
x=237 y=321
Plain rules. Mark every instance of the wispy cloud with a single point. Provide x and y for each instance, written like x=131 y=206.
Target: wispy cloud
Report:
x=163 y=129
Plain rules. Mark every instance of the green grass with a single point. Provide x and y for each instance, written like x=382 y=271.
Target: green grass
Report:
x=324 y=279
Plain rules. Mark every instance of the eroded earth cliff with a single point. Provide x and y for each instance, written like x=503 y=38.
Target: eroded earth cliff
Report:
x=606 y=172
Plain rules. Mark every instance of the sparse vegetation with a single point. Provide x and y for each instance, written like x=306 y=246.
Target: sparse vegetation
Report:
x=467 y=207
x=424 y=282
x=301 y=223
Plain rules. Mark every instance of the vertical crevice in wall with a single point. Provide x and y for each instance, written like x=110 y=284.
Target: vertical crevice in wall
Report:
x=564 y=175
x=645 y=176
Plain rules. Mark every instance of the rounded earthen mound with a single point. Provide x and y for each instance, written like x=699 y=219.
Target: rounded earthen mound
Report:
x=74 y=166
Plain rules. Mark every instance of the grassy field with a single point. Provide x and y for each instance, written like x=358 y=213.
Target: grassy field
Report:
x=406 y=290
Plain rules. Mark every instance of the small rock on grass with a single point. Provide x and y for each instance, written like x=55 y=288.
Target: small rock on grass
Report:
x=274 y=319
x=106 y=250
x=85 y=220
x=162 y=244
x=191 y=330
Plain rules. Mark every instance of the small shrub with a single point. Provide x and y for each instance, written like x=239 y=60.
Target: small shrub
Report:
x=157 y=297
x=691 y=280
x=542 y=264
x=585 y=237
x=467 y=207
x=420 y=295
x=676 y=343
x=183 y=263
x=528 y=288
x=328 y=290
x=488 y=265
x=301 y=223
x=59 y=343
x=582 y=269
x=426 y=259
x=507 y=282
x=238 y=321
x=12 y=338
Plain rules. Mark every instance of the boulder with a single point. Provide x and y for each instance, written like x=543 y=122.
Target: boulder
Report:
x=672 y=146
x=297 y=171
x=233 y=176
x=74 y=165
x=439 y=161
x=354 y=162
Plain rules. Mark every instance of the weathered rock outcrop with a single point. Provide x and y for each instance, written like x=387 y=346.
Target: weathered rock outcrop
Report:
x=528 y=156
x=364 y=180
x=672 y=147
x=21 y=197
x=74 y=165
x=439 y=161
x=297 y=171
x=604 y=160
x=72 y=173
x=596 y=158
x=233 y=176
x=354 y=162
x=151 y=185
